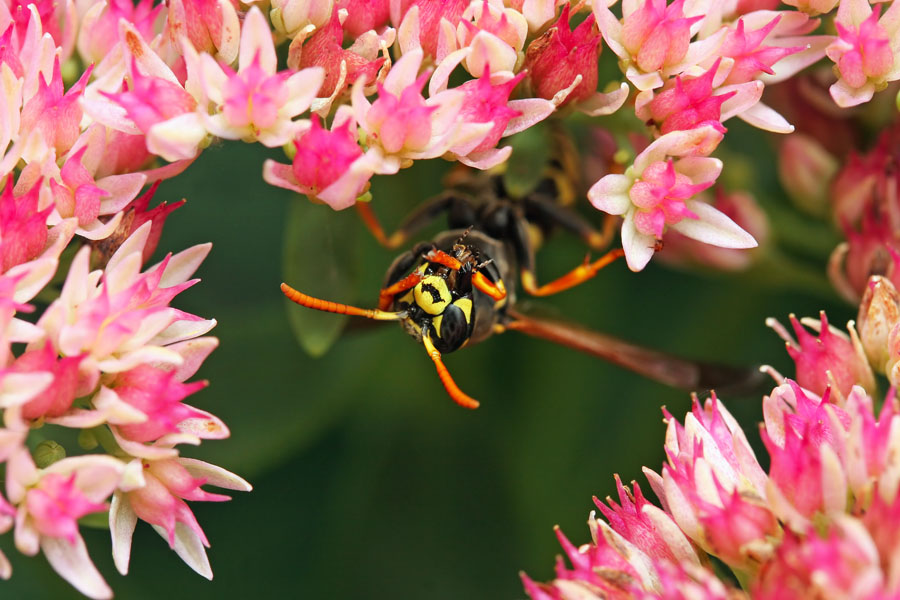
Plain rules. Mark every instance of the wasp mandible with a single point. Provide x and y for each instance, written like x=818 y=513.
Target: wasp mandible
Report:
x=458 y=289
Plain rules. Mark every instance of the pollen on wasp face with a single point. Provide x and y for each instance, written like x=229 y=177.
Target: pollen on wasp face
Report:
x=432 y=295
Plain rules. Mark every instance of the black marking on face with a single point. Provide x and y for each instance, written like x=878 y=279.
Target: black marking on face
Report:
x=432 y=291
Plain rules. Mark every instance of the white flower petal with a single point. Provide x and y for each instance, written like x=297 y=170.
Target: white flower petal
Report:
x=72 y=563
x=182 y=330
x=600 y=104
x=486 y=159
x=215 y=475
x=193 y=352
x=37 y=274
x=639 y=247
x=302 y=89
x=179 y=138
x=405 y=70
x=610 y=194
x=713 y=227
x=18 y=388
x=122 y=521
x=256 y=41
x=189 y=548
x=761 y=116
x=209 y=427
x=183 y=265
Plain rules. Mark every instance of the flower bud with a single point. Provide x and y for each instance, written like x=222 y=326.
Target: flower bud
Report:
x=364 y=15
x=879 y=314
x=855 y=186
x=47 y=453
x=290 y=16
x=870 y=251
x=556 y=58
x=805 y=169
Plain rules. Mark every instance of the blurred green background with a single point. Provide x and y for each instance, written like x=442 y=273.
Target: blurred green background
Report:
x=369 y=482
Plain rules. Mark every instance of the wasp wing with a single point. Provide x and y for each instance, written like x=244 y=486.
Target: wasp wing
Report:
x=690 y=375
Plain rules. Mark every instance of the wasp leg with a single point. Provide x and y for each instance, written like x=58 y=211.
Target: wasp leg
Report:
x=456 y=394
x=576 y=276
x=386 y=295
x=416 y=220
x=571 y=221
x=525 y=253
x=497 y=291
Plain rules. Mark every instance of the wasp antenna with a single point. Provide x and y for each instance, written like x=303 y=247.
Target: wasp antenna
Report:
x=456 y=394
x=343 y=309
x=464 y=234
x=442 y=258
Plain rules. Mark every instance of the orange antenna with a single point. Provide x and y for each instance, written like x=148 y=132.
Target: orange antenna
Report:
x=456 y=394
x=343 y=309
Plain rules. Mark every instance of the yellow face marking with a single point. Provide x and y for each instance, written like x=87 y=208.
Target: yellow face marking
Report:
x=407 y=297
x=432 y=295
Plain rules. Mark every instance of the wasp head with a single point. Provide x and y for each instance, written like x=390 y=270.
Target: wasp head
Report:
x=440 y=305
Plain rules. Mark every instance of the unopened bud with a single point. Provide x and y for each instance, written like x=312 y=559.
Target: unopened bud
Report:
x=805 y=169
x=879 y=313
x=556 y=58
x=47 y=453
x=290 y=16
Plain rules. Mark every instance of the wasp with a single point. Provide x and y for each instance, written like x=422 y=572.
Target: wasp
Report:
x=458 y=289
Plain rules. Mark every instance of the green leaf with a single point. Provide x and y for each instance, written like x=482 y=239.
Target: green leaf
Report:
x=321 y=255
x=525 y=167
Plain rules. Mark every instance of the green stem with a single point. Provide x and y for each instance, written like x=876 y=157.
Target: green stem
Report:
x=104 y=436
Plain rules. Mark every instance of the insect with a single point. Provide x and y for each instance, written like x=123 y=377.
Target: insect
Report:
x=458 y=289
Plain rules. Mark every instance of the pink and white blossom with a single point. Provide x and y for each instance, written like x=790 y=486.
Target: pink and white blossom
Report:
x=653 y=39
x=256 y=102
x=405 y=126
x=657 y=192
x=161 y=502
x=865 y=52
x=328 y=165
x=48 y=503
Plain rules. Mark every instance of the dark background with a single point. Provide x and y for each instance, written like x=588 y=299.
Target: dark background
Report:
x=369 y=482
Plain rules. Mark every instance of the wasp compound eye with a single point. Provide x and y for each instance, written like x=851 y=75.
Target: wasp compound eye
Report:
x=454 y=326
x=432 y=295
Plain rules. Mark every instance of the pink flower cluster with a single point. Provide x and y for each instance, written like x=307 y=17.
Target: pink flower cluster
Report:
x=693 y=63
x=822 y=523
x=375 y=79
x=109 y=356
